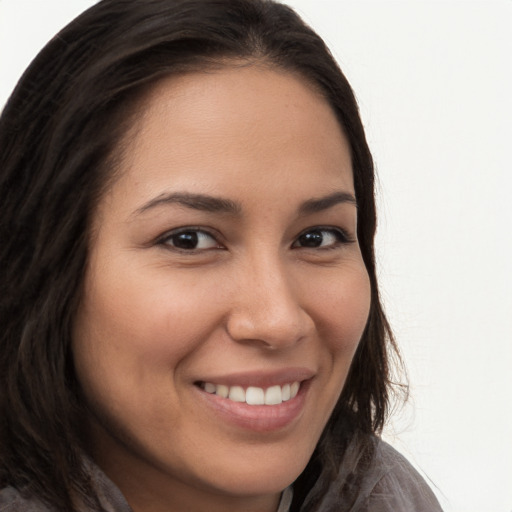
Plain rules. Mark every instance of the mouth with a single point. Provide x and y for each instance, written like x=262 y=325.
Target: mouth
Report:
x=257 y=401
x=254 y=395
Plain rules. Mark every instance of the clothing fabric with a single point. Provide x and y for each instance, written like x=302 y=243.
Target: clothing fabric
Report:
x=391 y=485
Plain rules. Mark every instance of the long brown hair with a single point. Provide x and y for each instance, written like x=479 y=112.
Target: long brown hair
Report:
x=60 y=134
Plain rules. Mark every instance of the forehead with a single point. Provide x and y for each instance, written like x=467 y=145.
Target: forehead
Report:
x=235 y=126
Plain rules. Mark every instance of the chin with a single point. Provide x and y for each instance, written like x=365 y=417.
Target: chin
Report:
x=268 y=472
x=261 y=481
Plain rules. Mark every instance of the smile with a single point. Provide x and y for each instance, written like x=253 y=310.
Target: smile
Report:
x=257 y=401
x=252 y=395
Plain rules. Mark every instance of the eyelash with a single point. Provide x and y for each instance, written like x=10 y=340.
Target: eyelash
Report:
x=340 y=235
x=165 y=239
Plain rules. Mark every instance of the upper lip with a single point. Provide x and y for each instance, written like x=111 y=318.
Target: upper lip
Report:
x=262 y=379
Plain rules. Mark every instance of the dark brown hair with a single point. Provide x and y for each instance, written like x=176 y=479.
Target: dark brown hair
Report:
x=59 y=135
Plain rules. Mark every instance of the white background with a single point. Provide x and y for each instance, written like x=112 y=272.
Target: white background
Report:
x=433 y=79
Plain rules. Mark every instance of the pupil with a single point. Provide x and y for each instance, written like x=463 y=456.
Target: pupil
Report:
x=311 y=239
x=186 y=240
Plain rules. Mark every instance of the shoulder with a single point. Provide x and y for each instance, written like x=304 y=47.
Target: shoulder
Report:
x=11 y=500
x=106 y=496
x=396 y=486
x=384 y=481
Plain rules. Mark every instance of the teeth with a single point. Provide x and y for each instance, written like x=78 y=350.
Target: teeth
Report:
x=237 y=394
x=273 y=395
x=285 y=393
x=222 y=391
x=210 y=388
x=253 y=395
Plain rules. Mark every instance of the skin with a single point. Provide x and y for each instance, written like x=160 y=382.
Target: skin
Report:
x=251 y=299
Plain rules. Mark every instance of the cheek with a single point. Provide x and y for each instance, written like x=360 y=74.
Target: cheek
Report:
x=131 y=337
x=343 y=305
x=145 y=318
x=130 y=341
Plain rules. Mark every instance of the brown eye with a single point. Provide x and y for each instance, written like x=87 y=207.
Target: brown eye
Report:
x=190 y=240
x=323 y=238
x=311 y=239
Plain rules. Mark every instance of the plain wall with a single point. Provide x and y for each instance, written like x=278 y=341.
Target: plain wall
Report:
x=433 y=81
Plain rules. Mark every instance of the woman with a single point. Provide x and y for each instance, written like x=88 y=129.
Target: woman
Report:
x=190 y=308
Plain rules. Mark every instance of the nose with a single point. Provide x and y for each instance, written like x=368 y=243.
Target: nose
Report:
x=267 y=309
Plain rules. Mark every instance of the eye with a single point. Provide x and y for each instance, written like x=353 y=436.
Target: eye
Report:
x=190 y=239
x=322 y=238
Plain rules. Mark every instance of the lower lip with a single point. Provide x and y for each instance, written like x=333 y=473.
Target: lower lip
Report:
x=257 y=418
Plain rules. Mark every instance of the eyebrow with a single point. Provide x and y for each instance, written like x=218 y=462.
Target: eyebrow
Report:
x=212 y=204
x=200 y=202
x=326 y=202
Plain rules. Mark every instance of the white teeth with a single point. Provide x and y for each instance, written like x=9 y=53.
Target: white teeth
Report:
x=286 y=392
x=237 y=394
x=274 y=395
x=294 y=389
x=209 y=387
x=255 y=396
x=222 y=391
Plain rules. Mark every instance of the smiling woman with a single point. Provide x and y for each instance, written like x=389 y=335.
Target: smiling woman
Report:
x=247 y=285
x=192 y=319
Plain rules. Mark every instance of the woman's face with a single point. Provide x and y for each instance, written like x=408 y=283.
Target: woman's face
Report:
x=224 y=261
